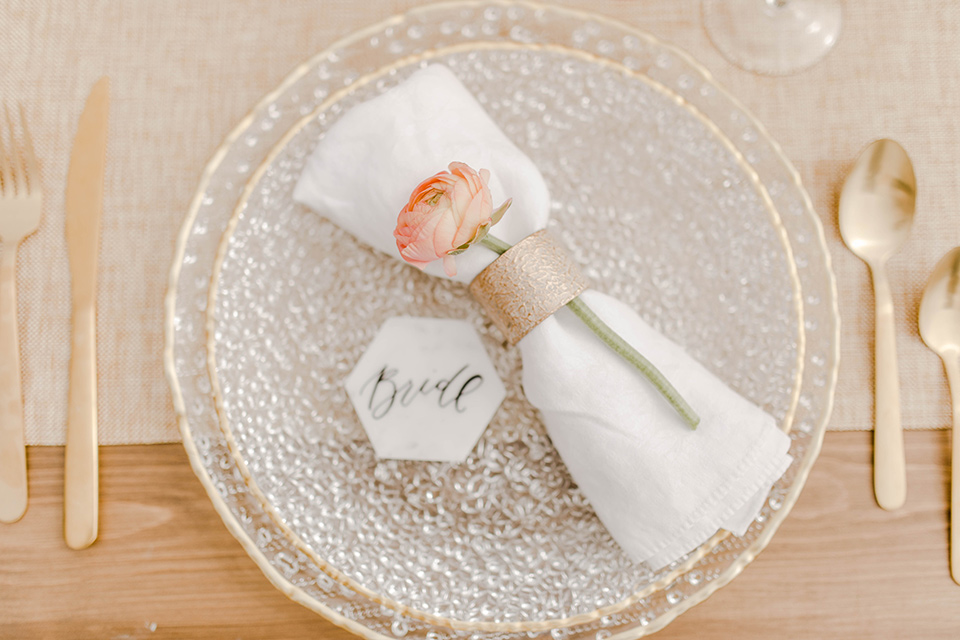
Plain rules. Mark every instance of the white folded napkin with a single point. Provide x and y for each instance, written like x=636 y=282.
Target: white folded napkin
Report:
x=660 y=488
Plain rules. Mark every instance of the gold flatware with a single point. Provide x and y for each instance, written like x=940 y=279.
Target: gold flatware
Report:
x=84 y=203
x=940 y=330
x=877 y=205
x=20 y=206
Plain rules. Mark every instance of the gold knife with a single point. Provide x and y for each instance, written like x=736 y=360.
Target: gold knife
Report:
x=84 y=203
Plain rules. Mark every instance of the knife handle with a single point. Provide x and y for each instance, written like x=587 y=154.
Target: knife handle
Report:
x=81 y=468
x=889 y=462
x=13 y=458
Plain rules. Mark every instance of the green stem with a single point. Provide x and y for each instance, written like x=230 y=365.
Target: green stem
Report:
x=496 y=245
x=622 y=348
x=619 y=346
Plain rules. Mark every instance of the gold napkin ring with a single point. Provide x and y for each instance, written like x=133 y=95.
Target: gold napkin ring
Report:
x=527 y=284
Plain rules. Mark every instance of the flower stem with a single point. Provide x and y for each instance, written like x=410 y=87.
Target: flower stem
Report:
x=622 y=348
x=619 y=346
x=496 y=245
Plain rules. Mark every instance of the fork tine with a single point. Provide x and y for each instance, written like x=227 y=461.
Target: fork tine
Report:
x=29 y=157
x=5 y=180
x=14 y=160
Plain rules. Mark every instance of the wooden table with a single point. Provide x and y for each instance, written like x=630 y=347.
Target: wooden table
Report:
x=166 y=567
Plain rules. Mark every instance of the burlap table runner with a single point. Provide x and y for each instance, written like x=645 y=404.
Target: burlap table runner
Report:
x=185 y=72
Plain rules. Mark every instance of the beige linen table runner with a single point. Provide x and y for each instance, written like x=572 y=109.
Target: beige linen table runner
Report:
x=185 y=72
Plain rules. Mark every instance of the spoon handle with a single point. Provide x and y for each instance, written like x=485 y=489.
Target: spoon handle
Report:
x=889 y=465
x=950 y=363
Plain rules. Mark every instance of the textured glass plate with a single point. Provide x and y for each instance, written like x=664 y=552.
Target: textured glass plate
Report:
x=683 y=230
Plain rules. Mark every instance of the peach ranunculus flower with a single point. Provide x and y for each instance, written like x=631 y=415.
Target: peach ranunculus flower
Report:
x=446 y=214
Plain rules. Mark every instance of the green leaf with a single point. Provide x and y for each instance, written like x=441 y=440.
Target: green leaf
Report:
x=502 y=209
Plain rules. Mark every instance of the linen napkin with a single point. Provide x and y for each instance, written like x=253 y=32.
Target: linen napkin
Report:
x=660 y=488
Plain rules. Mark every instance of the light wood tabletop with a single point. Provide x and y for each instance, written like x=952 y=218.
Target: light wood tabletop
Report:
x=166 y=567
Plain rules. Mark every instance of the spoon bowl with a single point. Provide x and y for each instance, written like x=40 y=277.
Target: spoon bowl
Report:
x=940 y=306
x=878 y=202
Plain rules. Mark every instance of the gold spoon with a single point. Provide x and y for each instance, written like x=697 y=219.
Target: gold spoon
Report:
x=876 y=210
x=940 y=329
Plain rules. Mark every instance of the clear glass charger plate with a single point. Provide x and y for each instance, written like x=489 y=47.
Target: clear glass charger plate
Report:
x=703 y=227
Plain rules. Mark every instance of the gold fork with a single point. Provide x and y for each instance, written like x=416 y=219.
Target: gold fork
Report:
x=20 y=202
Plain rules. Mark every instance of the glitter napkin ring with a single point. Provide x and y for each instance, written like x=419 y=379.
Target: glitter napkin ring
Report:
x=527 y=284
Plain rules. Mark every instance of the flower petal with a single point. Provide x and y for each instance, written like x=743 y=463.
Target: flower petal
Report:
x=450 y=265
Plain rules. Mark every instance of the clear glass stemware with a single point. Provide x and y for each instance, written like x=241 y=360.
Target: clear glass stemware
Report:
x=773 y=37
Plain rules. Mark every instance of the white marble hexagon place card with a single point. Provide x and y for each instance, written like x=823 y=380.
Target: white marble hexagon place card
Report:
x=425 y=389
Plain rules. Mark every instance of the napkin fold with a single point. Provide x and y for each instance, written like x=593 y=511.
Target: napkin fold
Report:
x=660 y=488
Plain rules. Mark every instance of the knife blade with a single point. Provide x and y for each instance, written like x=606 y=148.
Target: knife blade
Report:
x=83 y=208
